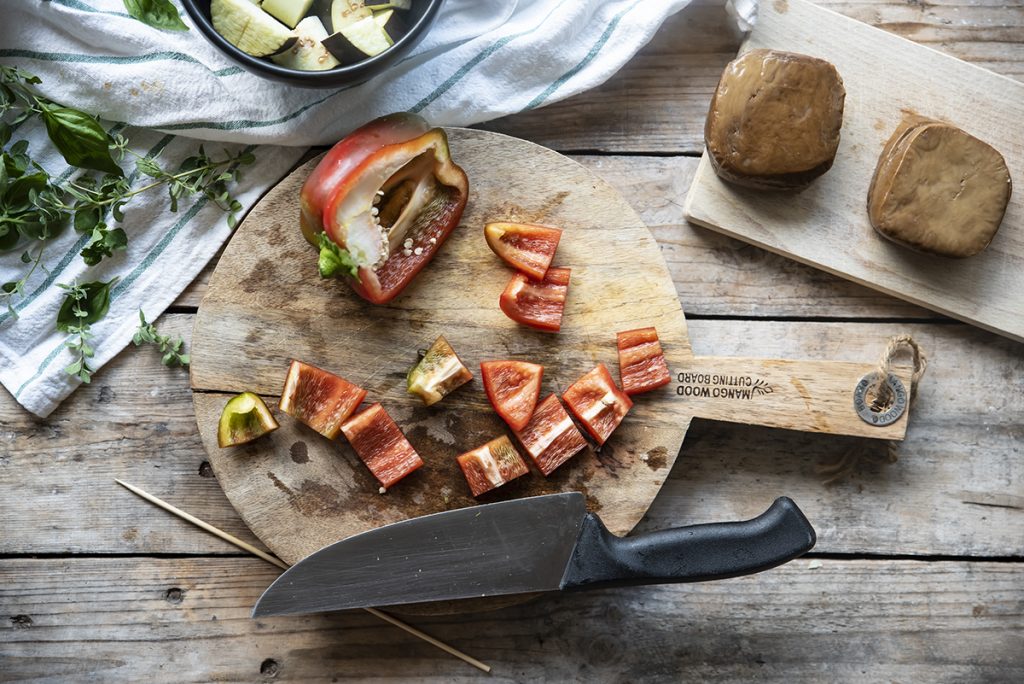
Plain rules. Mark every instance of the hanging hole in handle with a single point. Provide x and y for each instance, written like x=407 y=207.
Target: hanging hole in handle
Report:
x=880 y=403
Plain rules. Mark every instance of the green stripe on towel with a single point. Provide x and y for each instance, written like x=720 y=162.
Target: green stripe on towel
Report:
x=537 y=101
x=153 y=255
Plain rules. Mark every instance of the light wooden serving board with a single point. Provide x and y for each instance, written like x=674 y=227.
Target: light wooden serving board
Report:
x=826 y=225
x=266 y=305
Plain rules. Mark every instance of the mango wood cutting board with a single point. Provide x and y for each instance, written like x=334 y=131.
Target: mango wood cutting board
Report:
x=266 y=304
x=826 y=225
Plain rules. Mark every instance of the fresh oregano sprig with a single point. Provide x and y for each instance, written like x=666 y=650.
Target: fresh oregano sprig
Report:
x=83 y=305
x=35 y=207
x=171 y=348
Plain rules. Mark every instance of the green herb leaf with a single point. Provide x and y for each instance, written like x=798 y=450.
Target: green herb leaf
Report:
x=103 y=243
x=169 y=347
x=334 y=260
x=84 y=304
x=80 y=139
x=159 y=14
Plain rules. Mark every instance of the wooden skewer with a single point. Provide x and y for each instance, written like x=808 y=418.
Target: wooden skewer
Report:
x=284 y=566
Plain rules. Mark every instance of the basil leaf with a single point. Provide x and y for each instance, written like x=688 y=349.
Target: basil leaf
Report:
x=80 y=139
x=5 y=133
x=94 y=302
x=334 y=260
x=159 y=14
x=18 y=196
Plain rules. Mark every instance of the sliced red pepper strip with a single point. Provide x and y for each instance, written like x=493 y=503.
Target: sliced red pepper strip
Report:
x=524 y=246
x=381 y=445
x=537 y=303
x=642 y=365
x=597 y=403
x=492 y=465
x=513 y=388
x=321 y=400
x=393 y=209
x=551 y=438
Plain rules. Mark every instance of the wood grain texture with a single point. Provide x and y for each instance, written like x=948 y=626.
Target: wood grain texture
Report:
x=713 y=274
x=985 y=290
x=265 y=304
x=299 y=493
x=657 y=102
x=186 y=620
x=957 y=489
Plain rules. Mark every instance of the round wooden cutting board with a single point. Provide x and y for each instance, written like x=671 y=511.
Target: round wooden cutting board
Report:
x=266 y=305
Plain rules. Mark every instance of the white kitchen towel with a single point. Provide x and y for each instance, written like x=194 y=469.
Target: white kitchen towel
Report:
x=482 y=59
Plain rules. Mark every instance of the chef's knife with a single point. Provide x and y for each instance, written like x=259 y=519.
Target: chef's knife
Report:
x=542 y=543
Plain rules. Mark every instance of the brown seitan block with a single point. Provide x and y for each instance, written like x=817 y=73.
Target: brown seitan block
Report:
x=938 y=190
x=774 y=120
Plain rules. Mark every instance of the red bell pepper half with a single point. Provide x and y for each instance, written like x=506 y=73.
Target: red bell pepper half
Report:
x=537 y=303
x=492 y=465
x=526 y=247
x=381 y=445
x=513 y=388
x=321 y=400
x=551 y=438
x=382 y=202
x=642 y=365
x=597 y=403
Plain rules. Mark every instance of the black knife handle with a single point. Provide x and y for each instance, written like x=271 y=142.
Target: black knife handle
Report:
x=688 y=554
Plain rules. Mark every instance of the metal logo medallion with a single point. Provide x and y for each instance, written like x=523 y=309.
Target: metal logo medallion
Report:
x=889 y=415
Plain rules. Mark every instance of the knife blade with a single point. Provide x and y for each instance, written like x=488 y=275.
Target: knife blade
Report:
x=536 y=544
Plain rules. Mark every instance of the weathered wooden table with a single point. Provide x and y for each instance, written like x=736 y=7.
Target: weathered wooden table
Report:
x=918 y=574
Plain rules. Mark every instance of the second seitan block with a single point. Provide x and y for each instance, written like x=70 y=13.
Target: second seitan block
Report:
x=774 y=120
x=939 y=190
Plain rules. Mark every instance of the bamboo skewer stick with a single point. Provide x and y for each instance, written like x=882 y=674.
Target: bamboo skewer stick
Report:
x=284 y=566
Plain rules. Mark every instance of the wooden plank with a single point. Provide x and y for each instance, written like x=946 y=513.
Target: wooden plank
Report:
x=657 y=102
x=956 y=490
x=714 y=274
x=266 y=281
x=186 y=620
x=984 y=290
x=134 y=422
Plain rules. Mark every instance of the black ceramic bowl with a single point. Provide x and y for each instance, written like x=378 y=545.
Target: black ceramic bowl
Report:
x=418 y=19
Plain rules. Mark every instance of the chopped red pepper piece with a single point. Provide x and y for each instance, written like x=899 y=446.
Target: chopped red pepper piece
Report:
x=381 y=445
x=537 y=303
x=524 y=246
x=551 y=438
x=642 y=365
x=492 y=465
x=513 y=388
x=597 y=403
x=386 y=197
x=321 y=400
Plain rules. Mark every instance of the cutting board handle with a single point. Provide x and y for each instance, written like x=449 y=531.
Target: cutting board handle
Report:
x=812 y=396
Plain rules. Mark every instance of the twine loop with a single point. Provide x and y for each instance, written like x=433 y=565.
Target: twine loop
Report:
x=881 y=398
